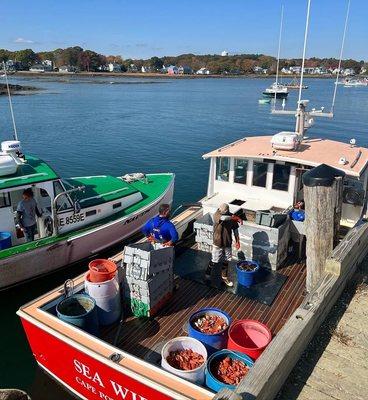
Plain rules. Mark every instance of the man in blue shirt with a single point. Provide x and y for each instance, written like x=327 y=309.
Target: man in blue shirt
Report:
x=160 y=228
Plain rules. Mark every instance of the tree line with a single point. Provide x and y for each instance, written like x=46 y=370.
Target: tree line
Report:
x=88 y=60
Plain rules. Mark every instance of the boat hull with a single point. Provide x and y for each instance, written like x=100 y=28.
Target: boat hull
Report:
x=86 y=375
x=278 y=95
x=46 y=259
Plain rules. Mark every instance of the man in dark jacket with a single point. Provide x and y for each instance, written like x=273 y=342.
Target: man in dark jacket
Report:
x=224 y=226
x=160 y=228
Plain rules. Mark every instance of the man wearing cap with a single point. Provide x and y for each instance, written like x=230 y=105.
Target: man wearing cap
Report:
x=160 y=229
x=224 y=225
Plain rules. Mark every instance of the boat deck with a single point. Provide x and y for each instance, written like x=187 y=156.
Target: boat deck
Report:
x=143 y=337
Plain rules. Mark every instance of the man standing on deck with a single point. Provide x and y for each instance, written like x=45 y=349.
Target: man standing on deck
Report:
x=160 y=229
x=224 y=225
x=27 y=211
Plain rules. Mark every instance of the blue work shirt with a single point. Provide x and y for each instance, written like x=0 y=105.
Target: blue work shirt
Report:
x=162 y=229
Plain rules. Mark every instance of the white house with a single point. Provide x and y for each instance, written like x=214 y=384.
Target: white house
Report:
x=203 y=71
x=348 y=72
x=145 y=69
x=40 y=68
x=260 y=70
x=224 y=53
x=114 y=67
x=68 y=69
x=49 y=63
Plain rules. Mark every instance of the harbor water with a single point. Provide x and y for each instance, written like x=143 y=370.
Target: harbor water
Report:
x=111 y=125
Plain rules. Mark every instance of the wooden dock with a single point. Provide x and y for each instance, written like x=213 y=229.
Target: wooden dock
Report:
x=335 y=364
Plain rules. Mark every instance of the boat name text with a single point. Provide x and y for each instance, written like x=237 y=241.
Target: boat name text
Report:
x=90 y=379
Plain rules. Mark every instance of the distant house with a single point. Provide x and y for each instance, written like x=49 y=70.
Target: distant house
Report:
x=68 y=69
x=172 y=70
x=285 y=70
x=363 y=70
x=114 y=67
x=260 y=70
x=132 y=68
x=145 y=69
x=295 y=70
x=203 y=71
x=48 y=63
x=348 y=72
x=185 y=70
x=103 y=68
x=40 y=68
x=224 y=53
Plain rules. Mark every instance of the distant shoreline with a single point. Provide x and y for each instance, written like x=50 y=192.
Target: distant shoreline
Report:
x=161 y=76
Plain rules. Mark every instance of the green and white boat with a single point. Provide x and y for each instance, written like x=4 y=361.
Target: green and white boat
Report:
x=81 y=216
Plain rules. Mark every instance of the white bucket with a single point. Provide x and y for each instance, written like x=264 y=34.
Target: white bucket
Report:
x=184 y=343
x=107 y=297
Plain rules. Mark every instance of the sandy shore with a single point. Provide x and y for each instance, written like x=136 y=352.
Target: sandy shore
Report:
x=157 y=75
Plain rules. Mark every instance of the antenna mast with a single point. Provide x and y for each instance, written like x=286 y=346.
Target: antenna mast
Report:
x=10 y=103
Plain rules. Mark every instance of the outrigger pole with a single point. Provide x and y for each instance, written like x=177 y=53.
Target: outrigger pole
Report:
x=10 y=102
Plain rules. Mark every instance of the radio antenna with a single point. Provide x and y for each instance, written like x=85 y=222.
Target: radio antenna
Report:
x=10 y=102
x=340 y=59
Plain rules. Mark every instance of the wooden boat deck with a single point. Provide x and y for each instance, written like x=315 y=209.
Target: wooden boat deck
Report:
x=142 y=336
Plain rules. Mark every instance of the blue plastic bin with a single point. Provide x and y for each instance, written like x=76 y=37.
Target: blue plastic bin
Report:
x=212 y=382
x=5 y=240
x=246 y=278
x=216 y=341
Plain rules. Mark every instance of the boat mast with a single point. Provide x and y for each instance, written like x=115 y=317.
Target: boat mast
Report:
x=10 y=103
x=304 y=119
x=300 y=114
x=278 y=51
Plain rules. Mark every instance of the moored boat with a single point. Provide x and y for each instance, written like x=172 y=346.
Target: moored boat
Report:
x=80 y=216
x=276 y=90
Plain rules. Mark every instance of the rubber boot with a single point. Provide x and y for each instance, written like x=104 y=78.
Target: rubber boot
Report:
x=224 y=275
x=209 y=270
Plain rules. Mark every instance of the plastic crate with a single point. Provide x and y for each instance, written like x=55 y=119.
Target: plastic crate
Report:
x=204 y=228
x=141 y=309
x=270 y=218
x=145 y=259
x=202 y=246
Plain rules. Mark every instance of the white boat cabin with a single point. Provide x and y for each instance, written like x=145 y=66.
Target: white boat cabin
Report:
x=253 y=174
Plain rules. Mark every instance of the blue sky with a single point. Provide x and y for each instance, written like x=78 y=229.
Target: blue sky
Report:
x=141 y=29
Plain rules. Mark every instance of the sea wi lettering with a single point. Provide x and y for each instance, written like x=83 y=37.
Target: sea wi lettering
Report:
x=94 y=377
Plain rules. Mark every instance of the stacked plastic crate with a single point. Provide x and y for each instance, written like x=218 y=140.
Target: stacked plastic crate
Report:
x=204 y=233
x=148 y=277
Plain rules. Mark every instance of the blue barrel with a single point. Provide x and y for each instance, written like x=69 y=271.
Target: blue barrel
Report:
x=5 y=240
x=211 y=381
x=79 y=310
x=246 y=278
x=212 y=342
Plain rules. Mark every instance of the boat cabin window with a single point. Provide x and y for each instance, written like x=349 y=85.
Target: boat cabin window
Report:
x=63 y=202
x=222 y=169
x=240 y=168
x=259 y=173
x=281 y=175
x=4 y=200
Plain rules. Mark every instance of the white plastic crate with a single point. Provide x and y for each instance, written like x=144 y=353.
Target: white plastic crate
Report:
x=145 y=259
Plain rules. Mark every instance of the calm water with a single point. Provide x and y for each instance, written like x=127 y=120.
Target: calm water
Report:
x=85 y=126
